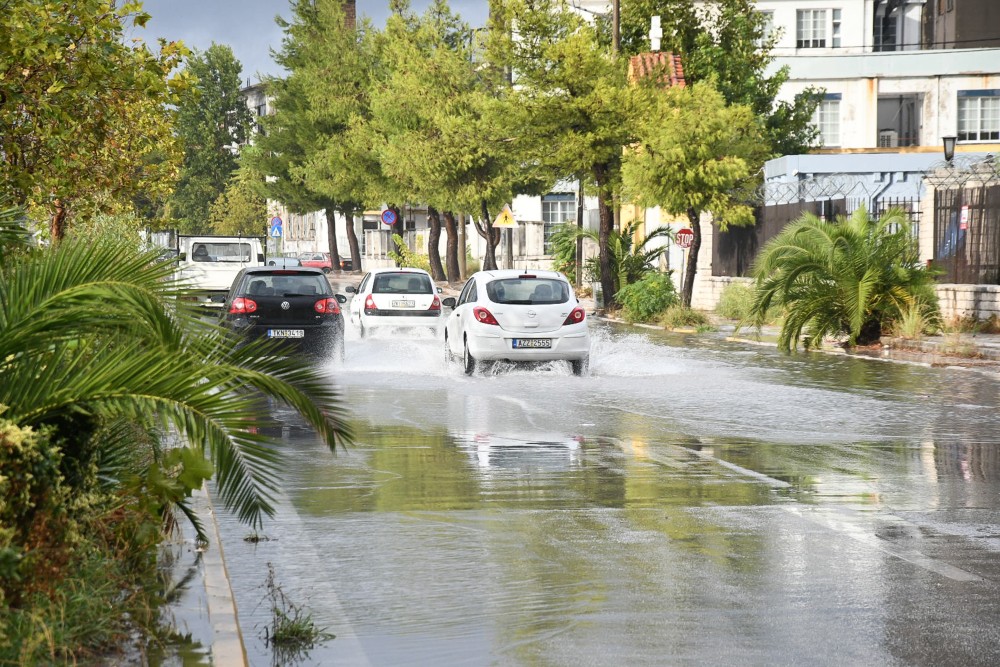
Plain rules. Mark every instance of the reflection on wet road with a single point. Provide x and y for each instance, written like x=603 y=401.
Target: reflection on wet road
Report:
x=691 y=502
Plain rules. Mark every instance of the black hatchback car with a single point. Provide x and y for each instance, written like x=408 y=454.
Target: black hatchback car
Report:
x=295 y=305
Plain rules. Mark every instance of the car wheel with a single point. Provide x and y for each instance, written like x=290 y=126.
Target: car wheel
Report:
x=468 y=361
x=447 y=351
x=361 y=329
x=580 y=366
x=326 y=270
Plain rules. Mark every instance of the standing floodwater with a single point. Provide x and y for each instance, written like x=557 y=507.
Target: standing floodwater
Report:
x=689 y=502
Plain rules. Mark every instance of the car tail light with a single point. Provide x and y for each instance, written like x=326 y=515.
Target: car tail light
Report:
x=243 y=305
x=370 y=307
x=578 y=315
x=484 y=316
x=435 y=304
x=327 y=306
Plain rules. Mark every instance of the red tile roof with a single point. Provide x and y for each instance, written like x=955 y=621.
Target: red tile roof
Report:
x=666 y=65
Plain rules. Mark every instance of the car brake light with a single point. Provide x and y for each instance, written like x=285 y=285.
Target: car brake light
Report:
x=575 y=317
x=242 y=305
x=527 y=275
x=435 y=304
x=370 y=307
x=484 y=316
x=327 y=306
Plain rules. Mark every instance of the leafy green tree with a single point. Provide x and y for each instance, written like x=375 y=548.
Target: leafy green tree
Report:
x=850 y=277
x=240 y=210
x=83 y=109
x=449 y=151
x=725 y=42
x=694 y=154
x=571 y=108
x=632 y=259
x=305 y=151
x=212 y=121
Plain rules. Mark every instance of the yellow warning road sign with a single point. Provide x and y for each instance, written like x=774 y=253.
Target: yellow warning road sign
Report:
x=505 y=219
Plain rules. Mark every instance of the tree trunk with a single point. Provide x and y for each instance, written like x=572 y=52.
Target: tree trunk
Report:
x=604 y=208
x=694 y=219
x=451 y=253
x=492 y=237
x=57 y=225
x=331 y=225
x=433 y=240
x=352 y=240
x=397 y=229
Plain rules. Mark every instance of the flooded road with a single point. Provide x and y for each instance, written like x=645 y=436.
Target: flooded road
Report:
x=692 y=501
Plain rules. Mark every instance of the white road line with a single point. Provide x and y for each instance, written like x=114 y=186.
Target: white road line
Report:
x=849 y=528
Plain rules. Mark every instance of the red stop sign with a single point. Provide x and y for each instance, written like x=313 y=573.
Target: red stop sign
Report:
x=685 y=237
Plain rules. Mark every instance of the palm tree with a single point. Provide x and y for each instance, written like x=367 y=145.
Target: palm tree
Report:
x=630 y=261
x=850 y=277
x=93 y=332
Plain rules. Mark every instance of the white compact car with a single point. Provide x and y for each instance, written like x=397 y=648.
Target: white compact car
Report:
x=517 y=315
x=395 y=297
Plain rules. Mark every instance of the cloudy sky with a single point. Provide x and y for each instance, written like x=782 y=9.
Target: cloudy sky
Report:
x=248 y=25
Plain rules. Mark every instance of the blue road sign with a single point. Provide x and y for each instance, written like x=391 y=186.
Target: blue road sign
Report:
x=389 y=216
x=276 y=227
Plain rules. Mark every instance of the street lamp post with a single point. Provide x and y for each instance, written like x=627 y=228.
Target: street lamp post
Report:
x=949 y=148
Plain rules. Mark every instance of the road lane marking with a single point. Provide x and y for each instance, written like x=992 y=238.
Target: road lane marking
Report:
x=859 y=534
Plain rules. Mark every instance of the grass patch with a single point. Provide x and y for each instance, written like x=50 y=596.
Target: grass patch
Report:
x=914 y=323
x=679 y=317
x=292 y=629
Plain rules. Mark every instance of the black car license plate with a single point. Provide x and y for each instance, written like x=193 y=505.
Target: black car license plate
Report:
x=286 y=333
x=521 y=343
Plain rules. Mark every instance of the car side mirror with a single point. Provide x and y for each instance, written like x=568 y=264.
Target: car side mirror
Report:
x=350 y=289
x=341 y=298
x=260 y=257
x=218 y=298
x=440 y=291
x=449 y=302
x=182 y=256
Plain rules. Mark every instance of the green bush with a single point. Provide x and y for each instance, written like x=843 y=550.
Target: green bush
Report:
x=644 y=300
x=679 y=317
x=406 y=257
x=735 y=301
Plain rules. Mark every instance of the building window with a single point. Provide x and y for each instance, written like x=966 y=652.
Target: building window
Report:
x=826 y=118
x=767 y=26
x=979 y=115
x=810 y=29
x=885 y=33
x=557 y=209
x=835 y=29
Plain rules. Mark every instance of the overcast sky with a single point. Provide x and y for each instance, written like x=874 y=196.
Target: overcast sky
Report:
x=248 y=26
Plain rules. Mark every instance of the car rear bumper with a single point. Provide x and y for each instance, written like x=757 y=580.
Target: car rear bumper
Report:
x=318 y=339
x=393 y=318
x=493 y=347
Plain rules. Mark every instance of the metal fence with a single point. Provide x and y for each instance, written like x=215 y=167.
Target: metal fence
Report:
x=967 y=234
x=734 y=250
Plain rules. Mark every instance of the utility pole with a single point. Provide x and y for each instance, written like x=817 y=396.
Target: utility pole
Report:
x=579 y=228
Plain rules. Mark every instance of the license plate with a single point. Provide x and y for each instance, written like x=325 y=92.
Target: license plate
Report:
x=286 y=333
x=532 y=342
x=403 y=304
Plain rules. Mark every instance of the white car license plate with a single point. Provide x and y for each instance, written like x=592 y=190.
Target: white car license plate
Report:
x=286 y=333
x=532 y=342
x=403 y=304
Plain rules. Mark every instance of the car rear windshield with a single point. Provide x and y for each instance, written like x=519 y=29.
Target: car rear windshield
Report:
x=220 y=252
x=286 y=283
x=402 y=283
x=527 y=290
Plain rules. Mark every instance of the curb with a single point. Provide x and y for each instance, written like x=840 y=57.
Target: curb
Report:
x=227 y=639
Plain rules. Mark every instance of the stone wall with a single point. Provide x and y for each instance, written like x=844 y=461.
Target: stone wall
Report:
x=979 y=301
